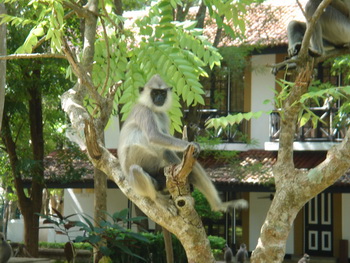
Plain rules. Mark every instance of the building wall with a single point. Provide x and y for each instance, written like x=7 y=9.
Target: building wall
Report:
x=112 y=133
x=262 y=86
x=258 y=207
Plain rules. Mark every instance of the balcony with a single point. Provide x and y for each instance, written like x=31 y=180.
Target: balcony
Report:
x=329 y=128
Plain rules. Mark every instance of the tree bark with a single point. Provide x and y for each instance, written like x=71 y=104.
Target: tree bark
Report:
x=168 y=245
x=31 y=219
x=179 y=217
x=31 y=205
x=294 y=188
x=200 y=16
x=2 y=63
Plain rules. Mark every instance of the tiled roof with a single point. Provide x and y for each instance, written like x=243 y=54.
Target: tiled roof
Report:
x=266 y=24
x=253 y=167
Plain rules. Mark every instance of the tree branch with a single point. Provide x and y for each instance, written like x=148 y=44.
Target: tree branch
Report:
x=81 y=11
x=304 y=50
x=33 y=55
x=289 y=116
x=84 y=77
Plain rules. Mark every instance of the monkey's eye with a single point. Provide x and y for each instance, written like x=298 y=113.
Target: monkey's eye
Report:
x=159 y=92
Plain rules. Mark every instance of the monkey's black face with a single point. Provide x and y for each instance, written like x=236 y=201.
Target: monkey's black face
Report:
x=159 y=96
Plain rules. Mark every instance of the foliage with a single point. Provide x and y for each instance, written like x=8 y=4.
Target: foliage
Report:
x=157 y=44
x=341 y=66
x=232 y=119
x=319 y=95
x=176 y=50
x=68 y=164
x=77 y=245
x=22 y=74
x=118 y=238
x=203 y=208
x=217 y=244
x=123 y=245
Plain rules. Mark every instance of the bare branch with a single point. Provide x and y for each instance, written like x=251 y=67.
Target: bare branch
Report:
x=301 y=8
x=92 y=140
x=84 y=77
x=292 y=62
x=291 y=108
x=311 y=27
x=81 y=11
x=3 y=48
x=31 y=56
x=336 y=52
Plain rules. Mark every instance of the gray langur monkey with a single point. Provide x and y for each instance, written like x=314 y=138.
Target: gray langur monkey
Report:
x=5 y=249
x=332 y=28
x=304 y=259
x=146 y=147
x=242 y=254
x=228 y=255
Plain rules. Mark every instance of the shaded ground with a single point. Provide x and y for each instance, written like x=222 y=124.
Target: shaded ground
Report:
x=30 y=260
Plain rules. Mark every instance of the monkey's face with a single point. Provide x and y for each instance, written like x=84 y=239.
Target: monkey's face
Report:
x=156 y=95
x=159 y=96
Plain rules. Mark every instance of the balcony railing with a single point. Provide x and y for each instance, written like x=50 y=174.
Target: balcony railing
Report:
x=327 y=130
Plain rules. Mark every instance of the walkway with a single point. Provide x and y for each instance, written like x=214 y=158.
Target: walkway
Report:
x=30 y=260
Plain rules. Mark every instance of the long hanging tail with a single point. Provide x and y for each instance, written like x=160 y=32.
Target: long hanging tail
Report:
x=237 y=204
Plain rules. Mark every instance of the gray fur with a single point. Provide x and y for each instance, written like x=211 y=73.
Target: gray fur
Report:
x=146 y=147
x=5 y=249
x=242 y=254
x=333 y=28
x=228 y=255
x=304 y=259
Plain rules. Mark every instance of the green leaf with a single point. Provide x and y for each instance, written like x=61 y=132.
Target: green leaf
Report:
x=190 y=98
x=304 y=119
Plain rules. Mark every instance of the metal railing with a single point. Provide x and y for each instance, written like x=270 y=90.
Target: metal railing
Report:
x=326 y=130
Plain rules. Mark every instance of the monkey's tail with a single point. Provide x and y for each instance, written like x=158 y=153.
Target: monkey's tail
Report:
x=237 y=204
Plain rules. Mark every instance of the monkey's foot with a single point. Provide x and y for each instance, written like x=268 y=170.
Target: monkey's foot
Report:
x=315 y=53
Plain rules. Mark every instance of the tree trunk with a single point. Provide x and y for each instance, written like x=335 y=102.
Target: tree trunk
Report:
x=100 y=203
x=2 y=63
x=37 y=170
x=179 y=216
x=168 y=245
x=200 y=16
x=31 y=229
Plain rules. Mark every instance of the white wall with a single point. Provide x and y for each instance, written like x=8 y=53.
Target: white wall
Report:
x=263 y=84
x=258 y=208
x=82 y=204
x=112 y=133
x=345 y=218
x=15 y=231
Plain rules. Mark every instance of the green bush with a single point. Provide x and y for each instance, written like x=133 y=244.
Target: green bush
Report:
x=217 y=244
x=114 y=241
x=80 y=245
x=154 y=250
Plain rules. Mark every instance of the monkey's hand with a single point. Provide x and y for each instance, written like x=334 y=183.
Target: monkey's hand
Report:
x=197 y=149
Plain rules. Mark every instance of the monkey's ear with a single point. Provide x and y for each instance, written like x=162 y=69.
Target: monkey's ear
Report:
x=141 y=89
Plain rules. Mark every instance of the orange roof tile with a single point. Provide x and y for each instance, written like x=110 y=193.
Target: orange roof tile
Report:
x=266 y=24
